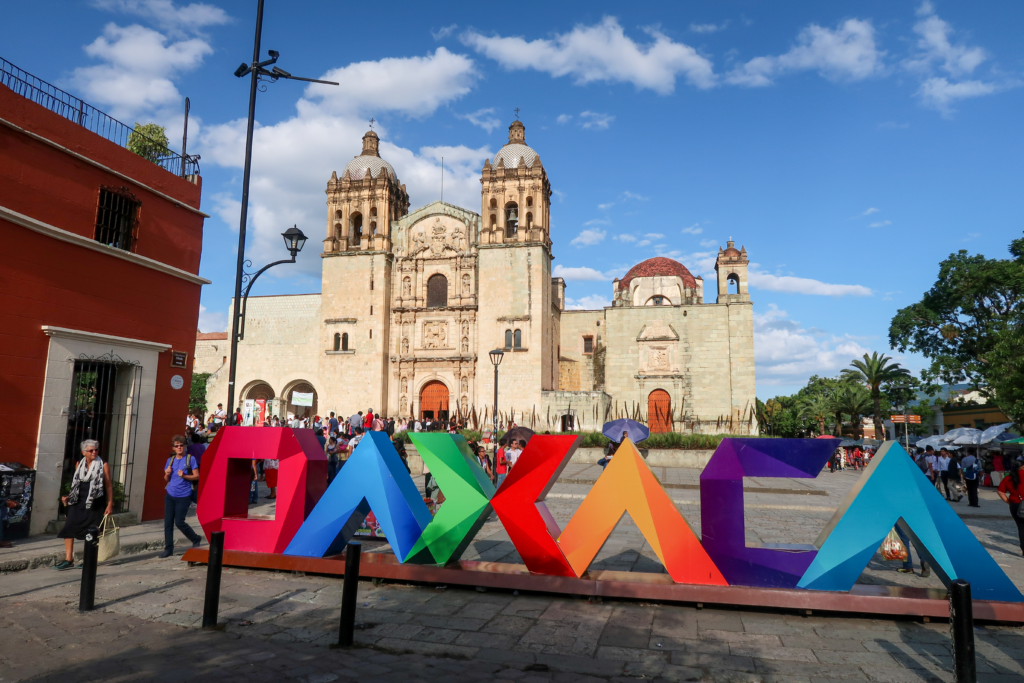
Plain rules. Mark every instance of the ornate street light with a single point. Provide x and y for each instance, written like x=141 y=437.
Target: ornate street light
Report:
x=257 y=71
x=496 y=356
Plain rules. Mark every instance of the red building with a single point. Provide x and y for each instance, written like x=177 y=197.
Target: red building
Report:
x=99 y=294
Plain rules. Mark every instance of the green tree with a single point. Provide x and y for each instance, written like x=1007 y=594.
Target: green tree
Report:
x=149 y=141
x=855 y=401
x=197 y=393
x=970 y=325
x=873 y=372
x=817 y=408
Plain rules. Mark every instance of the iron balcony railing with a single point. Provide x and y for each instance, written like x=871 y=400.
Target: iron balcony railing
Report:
x=89 y=117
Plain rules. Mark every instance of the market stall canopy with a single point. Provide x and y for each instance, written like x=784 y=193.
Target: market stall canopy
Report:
x=996 y=433
x=933 y=441
x=1019 y=440
x=954 y=435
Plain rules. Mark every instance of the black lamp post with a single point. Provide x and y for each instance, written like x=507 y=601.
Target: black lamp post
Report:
x=258 y=72
x=294 y=240
x=496 y=356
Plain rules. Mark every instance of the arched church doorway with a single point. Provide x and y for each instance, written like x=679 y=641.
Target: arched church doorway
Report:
x=259 y=390
x=659 y=411
x=434 y=401
x=300 y=402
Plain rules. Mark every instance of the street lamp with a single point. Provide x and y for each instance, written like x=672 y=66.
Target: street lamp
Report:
x=496 y=356
x=258 y=72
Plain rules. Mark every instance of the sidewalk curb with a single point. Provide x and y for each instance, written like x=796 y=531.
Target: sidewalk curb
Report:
x=48 y=560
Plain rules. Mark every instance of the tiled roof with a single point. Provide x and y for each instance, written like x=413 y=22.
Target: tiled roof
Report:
x=659 y=266
x=512 y=152
x=201 y=336
x=361 y=164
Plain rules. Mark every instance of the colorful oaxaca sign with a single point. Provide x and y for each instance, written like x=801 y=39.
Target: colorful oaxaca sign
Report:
x=314 y=522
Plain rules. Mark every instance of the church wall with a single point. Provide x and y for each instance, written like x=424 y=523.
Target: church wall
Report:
x=697 y=371
x=574 y=326
x=515 y=293
x=356 y=379
x=741 y=349
x=277 y=348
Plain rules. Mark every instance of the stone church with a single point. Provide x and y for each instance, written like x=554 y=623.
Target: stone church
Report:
x=412 y=303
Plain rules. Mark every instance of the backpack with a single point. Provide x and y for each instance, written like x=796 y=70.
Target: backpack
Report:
x=972 y=470
x=922 y=465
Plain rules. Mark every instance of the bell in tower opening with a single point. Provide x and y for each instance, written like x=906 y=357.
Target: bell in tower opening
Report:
x=511 y=219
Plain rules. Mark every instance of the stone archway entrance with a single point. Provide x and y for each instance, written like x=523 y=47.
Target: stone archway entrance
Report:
x=659 y=411
x=259 y=390
x=434 y=401
x=300 y=411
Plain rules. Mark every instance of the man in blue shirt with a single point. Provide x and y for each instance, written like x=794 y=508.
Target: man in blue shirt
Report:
x=181 y=470
x=332 y=425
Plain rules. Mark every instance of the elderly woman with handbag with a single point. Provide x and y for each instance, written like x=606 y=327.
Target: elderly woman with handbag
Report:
x=91 y=487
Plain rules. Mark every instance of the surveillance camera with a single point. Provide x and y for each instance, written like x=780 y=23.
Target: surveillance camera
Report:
x=281 y=72
x=242 y=70
x=274 y=54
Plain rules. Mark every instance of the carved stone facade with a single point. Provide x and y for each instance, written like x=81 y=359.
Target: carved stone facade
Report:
x=412 y=303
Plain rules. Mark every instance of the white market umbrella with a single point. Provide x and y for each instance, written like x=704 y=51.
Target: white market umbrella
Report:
x=994 y=433
x=953 y=435
x=932 y=441
x=972 y=439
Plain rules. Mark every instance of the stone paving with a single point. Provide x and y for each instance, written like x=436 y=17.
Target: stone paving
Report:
x=278 y=625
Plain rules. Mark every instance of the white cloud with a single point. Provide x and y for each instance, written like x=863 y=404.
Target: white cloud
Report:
x=592 y=302
x=625 y=238
x=587 y=238
x=414 y=86
x=138 y=66
x=934 y=48
x=212 y=321
x=939 y=93
x=654 y=235
x=936 y=52
x=293 y=159
x=605 y=207
x=595 y=121
x=708 y=28
x=868 y=212
x=579 y=273
x=643 y=243
x=847 y=53
x=879 y=224
x=564 y=118
x=633 y=195
x=803 y=285
x=444 y=32
x=168 y=16
x=708 y=243
x=483 y=119
x=598 y=221
x=694 y=229
x=604 y=53
x=786 y=353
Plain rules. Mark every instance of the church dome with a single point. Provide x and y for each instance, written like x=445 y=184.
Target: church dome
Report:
x=362 y=165
x=369 y=161
x=516 y=148
x=659 y=266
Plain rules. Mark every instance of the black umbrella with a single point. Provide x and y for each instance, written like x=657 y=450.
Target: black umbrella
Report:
x=516 y=433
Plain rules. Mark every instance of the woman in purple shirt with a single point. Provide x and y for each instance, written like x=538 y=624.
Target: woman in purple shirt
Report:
x=181 y=470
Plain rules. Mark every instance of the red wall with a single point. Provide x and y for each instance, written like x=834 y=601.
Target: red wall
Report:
x=44 y=281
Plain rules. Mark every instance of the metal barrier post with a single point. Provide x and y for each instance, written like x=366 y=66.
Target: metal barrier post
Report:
x=87 y=593
x=349 y=593
x=961 y=631
x=215 y=563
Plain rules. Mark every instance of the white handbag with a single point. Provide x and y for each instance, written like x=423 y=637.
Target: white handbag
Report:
x=110 y=539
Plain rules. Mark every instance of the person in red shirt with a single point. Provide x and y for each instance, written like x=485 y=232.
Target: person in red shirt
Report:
x=500 y=466
x=1010 y=491
x=368 y=420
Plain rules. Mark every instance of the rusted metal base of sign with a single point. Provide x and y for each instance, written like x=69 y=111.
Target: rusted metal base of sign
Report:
x=886 y=601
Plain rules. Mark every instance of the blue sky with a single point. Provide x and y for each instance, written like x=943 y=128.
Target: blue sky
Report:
x=849 y=146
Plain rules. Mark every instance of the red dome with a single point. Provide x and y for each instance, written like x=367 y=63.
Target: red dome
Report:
x=659 y=266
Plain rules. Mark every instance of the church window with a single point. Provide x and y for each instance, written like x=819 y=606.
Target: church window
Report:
x=437 y=291
x=371 y=334
x=529 y=201
x=529 y=220
x=494 y=221
x=657 y=300
x=371 y=309
x=373 y=212
x=356 y=225
x=511 y=219
x=117 y=218
x=338 y=215
x=337 y=342
x=344 y=341
x=588 y=344
x=517 y=339
x=508 y=339
x=494 y=203
x=373 y=227
x=734 y=284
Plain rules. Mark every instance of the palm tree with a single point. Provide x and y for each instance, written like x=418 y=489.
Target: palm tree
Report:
x=855 y=401
x=816 y=408
x=874 y=371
